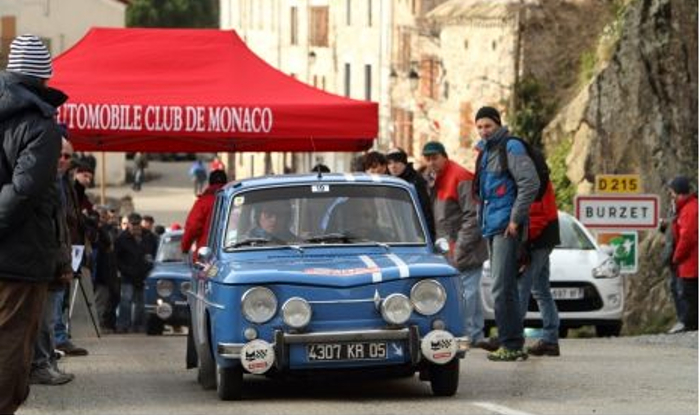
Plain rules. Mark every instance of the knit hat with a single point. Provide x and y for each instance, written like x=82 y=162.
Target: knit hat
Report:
x=29 y=56
x=488 y=112
x=397 y=155
x=680 y=185
x=433 y=147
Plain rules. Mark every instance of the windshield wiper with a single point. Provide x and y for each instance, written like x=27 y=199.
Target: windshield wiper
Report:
x=329 y=237
x=249 y=242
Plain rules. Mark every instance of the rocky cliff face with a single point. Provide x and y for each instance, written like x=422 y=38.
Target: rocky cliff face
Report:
x=640 y=115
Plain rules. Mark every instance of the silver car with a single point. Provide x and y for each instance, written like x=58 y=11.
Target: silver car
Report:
x=585 y=281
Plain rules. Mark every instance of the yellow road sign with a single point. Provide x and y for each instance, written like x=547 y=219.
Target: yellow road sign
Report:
x=618 y=183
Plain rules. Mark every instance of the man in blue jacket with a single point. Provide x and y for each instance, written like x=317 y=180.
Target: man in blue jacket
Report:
x=505 y=195
x=29 y=208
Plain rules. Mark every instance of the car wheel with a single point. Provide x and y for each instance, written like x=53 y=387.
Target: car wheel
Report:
x=444 y=379
x=229 y=383
x=608 y=330
x=206 y=367
x=191 y=354
x=154 y=326
x=563 y=332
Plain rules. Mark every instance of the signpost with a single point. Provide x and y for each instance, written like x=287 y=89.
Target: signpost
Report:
x=618 y=183
x=625 y=246
x=618 y=212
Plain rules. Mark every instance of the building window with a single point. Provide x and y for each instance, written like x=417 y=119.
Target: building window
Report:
x=429 y=75
x=466 y=124
x=347 y=79
x=403 y=129
x=369 y=13
x=318 y=26
x=294 y=26
x=348 y=12
x=368 y=82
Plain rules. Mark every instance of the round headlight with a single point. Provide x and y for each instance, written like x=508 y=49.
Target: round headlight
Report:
x=259 y=304
x=396 y=309
x=296 y=312
x=185 y=286
x=164 y=310
x=428 y=297
x=164 y=288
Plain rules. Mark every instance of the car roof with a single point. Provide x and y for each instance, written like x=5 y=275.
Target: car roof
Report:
x=310 y=178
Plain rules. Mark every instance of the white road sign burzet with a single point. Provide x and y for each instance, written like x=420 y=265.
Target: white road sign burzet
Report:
x=618 y=212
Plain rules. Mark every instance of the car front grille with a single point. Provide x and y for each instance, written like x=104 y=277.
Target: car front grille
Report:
x=591 y=300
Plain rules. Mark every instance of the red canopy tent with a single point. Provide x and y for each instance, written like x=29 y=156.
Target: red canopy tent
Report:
x=187 y=90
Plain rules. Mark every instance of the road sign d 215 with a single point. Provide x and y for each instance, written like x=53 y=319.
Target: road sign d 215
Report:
x=618 y=183
x=625 y=246
x=618 y=212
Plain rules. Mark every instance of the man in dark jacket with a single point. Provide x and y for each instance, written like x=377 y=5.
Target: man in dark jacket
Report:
x=29 y=208
x=135 y=251
x=398 y=165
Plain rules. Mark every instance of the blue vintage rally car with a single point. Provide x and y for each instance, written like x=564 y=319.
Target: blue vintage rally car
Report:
x=307 y=274
x=166 y=284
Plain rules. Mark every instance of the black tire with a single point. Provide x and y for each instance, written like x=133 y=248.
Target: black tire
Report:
x=229 y=383
x=563 y=332
x=191 y=353
x=206 y=366
x=608 y=330
x=154 y=325
x=444 y=379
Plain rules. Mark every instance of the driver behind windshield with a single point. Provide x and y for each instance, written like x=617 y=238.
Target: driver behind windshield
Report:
x=272 y=223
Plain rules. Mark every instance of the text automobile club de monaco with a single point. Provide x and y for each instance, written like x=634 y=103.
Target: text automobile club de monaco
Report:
x=166 y=118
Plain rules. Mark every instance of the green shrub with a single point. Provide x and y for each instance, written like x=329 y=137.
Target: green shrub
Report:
x=564 y=189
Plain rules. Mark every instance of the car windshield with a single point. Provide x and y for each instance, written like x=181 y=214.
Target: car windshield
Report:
x=571 y=235
x=169 y=249
x=323 y=214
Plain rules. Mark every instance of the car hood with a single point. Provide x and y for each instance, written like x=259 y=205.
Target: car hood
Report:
x=337 y=271
x=173 y=270
x=574 y=264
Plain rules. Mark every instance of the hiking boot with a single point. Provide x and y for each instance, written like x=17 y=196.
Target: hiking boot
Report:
x=49 y=376
x=541 y=348
x=507 y=355
x=71 y=350
x=490 y=344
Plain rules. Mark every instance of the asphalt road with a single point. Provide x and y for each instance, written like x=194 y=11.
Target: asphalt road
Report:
x=136 y=374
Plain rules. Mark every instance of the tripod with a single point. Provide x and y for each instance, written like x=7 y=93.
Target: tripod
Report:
x=88 y=303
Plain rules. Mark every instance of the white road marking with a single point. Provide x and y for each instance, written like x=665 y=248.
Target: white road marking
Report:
x=499 y=409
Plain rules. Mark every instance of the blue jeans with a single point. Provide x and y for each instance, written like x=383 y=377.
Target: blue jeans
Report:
x=60 y=329
x=504 y=269
x=536 y=280
x=131 y=311
x=471 y=297
x=675 y=288
x=45 y=343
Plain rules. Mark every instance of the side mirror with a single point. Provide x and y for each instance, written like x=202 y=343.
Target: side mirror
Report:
x=204 y=255
x=442 y=246
x=608 y=250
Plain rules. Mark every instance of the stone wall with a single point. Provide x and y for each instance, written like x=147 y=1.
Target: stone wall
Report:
x=640 y=115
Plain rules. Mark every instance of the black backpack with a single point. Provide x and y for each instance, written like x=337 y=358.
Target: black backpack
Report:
x=537 y=158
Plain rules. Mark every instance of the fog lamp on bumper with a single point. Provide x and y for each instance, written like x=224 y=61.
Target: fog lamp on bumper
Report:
x=257 y=356
x=440 y=347
x=163 y=310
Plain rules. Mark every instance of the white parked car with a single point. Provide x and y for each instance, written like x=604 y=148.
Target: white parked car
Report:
x=585 y=281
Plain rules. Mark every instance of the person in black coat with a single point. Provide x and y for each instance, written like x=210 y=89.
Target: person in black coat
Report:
x=135 y=250
x=29 y=208
x=400 y=167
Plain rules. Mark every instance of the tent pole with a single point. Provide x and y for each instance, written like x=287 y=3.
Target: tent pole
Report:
x=103 y=178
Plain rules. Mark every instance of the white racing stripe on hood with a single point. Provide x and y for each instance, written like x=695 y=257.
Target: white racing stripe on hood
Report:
x=377 y=275
x=403 y=268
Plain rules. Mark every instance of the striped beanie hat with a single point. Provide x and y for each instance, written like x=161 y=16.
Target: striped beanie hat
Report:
x=29 y=56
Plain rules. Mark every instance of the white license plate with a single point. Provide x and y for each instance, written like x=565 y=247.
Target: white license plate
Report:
x=346 y=351
x=567 y=293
